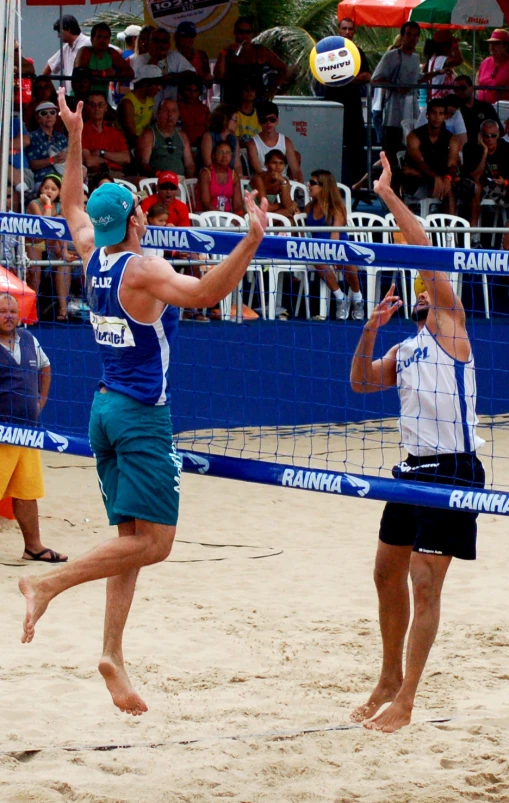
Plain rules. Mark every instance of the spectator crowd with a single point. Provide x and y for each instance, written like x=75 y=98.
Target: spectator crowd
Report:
x=149 y=120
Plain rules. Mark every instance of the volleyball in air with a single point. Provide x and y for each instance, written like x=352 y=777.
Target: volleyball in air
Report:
x=335 y=61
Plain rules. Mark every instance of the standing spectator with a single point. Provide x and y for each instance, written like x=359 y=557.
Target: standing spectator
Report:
x=42 y=92
x=354 y=136
x=432 y=159
x=473 y=111
x=173 y=64
x=135 y=110
x=25 y=378
x=222 y=128
x=48 y=148
x=184 y=42
x=167 y=191
x=494 y=70
x=73 y=40
x=439 y=70
x=243 y=62
x=163 y=147
x=399 y=67
x=103 y=145
x=129 y=37
x=194 y=115
x=104 y=61
x=142 y=43
x=486 y=162
x=259 y=146
x=219 y=184
x=248 y=124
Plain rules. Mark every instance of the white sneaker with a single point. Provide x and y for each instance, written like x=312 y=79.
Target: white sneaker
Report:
x=342 y=309
x=358 y=310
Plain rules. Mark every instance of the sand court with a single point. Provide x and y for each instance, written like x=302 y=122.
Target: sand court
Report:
x=265 y=625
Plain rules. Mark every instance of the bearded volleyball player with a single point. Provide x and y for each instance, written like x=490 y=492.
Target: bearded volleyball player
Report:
x=435 y=376
x=134 y=301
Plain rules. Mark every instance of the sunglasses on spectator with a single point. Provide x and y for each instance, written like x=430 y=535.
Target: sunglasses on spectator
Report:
x=490 y=136
x=48 y=112
x=270 y=118
x=170 y=145
x=314 y=183
x=167 y=186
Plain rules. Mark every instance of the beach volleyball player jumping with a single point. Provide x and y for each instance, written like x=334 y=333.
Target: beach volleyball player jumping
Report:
x=435 y=376
x=134 y=301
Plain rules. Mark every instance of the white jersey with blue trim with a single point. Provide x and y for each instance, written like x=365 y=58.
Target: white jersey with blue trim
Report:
x=135 y=356
x=438 y=398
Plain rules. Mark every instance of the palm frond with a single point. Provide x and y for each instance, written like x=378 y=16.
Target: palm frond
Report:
x=117 y=20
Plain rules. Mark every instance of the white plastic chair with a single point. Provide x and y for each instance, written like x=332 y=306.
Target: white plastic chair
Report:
x=297 y=186
x=190 y=189
x=218 y=220
x=195 y=219
x=346 y=192
x=407 y=127
x=148 y=185
x=456 y=239
x=276 y=274
x=127 y=184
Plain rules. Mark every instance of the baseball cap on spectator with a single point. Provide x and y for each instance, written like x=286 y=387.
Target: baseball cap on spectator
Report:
x=167 y=177
x=46 y=105
x=147 y=72
x=186 y=29
x=499 y=35
x=131 y=30
x=109 y=207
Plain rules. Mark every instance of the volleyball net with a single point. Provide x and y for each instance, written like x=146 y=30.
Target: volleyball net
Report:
x=270 y=401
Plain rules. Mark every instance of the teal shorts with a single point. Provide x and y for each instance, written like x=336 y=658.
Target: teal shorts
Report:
x=137 y=463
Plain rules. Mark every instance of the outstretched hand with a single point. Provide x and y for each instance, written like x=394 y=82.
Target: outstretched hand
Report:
x=384 y=182
x=384 y=311
x=257 y=214
x=73 y=121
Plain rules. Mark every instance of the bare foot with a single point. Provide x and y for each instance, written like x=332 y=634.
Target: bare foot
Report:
x=36 y=601
x=119 y=686
x=383 y=693
x=396 y=716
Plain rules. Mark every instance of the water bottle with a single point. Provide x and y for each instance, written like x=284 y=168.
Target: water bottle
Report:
x=222 y=202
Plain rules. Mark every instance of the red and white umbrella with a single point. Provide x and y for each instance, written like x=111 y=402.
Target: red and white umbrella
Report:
x=461 y=14
x=377 y=13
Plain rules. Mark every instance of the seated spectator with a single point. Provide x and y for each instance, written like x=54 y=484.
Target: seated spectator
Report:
x=248 y=124
x=167 y=191
x=439 y=70
x=27 y=65
x=432 y=159
x=96 y=179
x=222 y=128
x=19 y=143
x=163 y=147
x=487 y=164
x=135 y=110
x=219 y=185
x=173 y=64
x=48 y=148
x=243 y=62
x=184 y=42
x=103 y=145
x=72 y=42
x=47 y=204
x=81 y=84
x=194 y=115
x=43 y=91
x=473 y=111
x=327 y=208
x=273 y=185
x=453 y=119
x=494 y=70
x=157 y=215
x=104 y=61
x=259 y=146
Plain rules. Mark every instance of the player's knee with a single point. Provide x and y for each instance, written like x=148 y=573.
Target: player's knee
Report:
x=426 y=588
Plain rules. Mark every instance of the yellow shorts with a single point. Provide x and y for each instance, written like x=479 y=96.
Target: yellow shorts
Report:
x=20 y=472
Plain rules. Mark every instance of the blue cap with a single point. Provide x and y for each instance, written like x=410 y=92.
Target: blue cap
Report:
x=109 y=207
x=186 y=28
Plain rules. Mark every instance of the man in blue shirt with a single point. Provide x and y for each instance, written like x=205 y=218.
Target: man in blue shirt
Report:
x=134 y=301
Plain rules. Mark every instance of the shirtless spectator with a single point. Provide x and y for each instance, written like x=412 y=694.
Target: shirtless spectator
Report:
x=432 y=159
x=259 y=146
x=103 y=145
x=163 y=147
x=105 y=62
x=194 y=115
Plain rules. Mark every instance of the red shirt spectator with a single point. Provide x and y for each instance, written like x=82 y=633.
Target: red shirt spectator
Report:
x=194 y=115
x=167 y=189
x=102 y=144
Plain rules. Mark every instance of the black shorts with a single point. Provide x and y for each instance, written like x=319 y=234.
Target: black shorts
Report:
x=430 y=530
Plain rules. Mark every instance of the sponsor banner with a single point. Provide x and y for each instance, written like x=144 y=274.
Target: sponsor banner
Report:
x=295 y=249
x=214 y=20
x=306 y=479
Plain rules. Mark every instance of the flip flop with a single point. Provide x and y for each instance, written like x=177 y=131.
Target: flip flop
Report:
x=54 y=557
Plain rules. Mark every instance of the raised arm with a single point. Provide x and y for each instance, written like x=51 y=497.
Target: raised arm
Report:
x=366 y=375
x=71 y=193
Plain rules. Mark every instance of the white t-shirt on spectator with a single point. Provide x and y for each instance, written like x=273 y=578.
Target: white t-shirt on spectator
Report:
x=455 y=124
x=69 y=53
